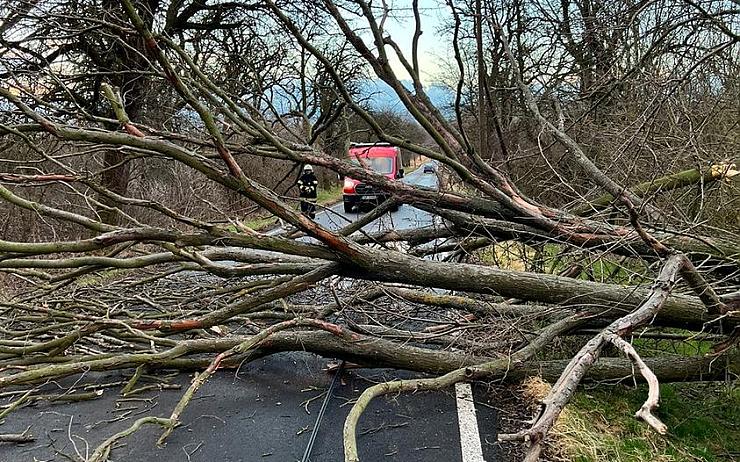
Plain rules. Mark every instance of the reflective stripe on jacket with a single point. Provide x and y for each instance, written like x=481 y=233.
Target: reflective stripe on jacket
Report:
x=308 y=186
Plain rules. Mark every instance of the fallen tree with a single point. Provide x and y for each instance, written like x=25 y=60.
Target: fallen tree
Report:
x=106 y=277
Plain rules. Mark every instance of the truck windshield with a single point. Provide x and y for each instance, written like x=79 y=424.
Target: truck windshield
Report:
x=382 y=165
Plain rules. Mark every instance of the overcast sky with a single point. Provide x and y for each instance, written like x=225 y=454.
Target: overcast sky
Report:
x=432 y=46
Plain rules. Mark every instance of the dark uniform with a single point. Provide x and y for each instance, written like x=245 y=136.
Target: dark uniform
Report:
x=308 y=187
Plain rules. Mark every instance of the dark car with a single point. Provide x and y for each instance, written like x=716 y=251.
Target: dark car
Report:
x=429 y=168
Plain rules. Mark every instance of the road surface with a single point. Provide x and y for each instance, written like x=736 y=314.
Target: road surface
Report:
x=406 y=216
x=267 y=410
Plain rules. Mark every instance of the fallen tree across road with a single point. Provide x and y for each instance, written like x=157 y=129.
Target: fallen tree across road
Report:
x=129 y=176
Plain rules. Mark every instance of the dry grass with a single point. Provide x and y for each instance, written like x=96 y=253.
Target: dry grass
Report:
x=599 y=425
x=535 y=390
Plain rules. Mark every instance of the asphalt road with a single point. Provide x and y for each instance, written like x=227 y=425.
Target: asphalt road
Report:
x=258 y=414
x=406 y=216
x=267 y=410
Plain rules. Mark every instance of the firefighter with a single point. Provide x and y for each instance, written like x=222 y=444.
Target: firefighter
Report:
x=308 y=187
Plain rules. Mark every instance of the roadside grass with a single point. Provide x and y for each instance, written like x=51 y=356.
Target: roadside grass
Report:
x=510 y=255
x=604 y=268
x=702 y=422
x=99 y=277
x=326 y=197
x=598 y=424
x=688 y=347
x=550 y=258
x=258 y=224
x=330 y=195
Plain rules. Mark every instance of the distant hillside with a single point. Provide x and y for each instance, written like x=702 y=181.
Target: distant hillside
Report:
x=377 y=95
x=382 y=97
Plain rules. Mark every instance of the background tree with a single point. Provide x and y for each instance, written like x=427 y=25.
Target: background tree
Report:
x=611 y=216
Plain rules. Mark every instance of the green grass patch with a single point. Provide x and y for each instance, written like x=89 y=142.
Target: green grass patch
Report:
x=329 y=195
x=655 y=347
x=553 y=259
x=99 y=277
x=509 y=255
x=259 y=224
x=703 y=423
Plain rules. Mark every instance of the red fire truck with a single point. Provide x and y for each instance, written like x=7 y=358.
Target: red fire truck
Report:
x=381 y=158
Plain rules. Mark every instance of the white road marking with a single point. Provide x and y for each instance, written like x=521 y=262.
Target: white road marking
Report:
x=469 y=433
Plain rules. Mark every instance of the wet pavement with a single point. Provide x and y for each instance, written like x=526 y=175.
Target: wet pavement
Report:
x=266 y=411
x=404 y=218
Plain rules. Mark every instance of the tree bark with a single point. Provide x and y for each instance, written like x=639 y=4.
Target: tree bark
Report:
x=663 y=184
x=609 y=300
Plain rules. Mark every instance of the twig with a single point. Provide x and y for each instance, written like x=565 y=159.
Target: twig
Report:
x=645 y=412
x=101 y=452
x=24 y=437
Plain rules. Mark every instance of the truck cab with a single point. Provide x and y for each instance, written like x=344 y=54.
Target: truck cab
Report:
x=382 y=158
